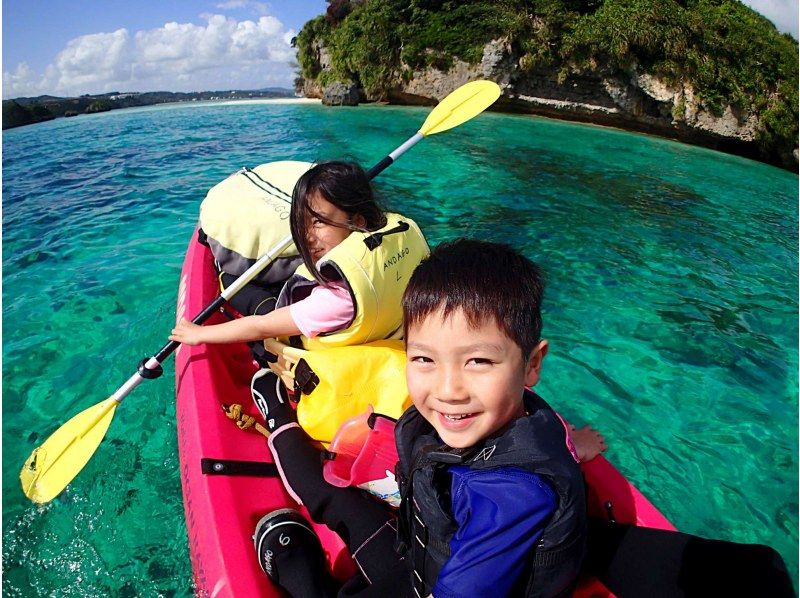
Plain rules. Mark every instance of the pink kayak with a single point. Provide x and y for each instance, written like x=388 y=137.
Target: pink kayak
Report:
x=228 y=478
x=222 y=510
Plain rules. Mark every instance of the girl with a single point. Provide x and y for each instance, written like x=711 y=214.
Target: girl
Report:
x=357 y=260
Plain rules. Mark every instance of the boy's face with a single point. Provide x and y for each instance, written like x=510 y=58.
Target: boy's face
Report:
x=467 y=382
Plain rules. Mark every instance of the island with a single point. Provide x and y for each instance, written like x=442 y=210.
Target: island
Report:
x=715 y=74
x=25 y=111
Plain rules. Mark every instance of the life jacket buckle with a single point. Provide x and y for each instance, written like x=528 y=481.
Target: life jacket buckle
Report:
x=448 y=456
x=374 y=240
x=305 y=380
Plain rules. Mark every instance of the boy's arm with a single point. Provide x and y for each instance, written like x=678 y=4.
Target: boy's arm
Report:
x=501 y=514
x=249 y=328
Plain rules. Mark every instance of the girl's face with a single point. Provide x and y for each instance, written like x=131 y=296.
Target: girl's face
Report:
x=322 y=236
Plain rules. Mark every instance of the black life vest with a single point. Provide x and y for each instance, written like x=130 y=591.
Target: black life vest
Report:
x=536 y=443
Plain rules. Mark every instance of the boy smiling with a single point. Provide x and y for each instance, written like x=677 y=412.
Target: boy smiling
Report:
x=493 y=499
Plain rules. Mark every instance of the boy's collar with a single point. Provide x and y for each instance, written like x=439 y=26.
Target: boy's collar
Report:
x=445 y=454
x=448 y=455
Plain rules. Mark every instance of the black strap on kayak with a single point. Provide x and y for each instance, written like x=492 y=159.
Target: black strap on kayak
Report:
x=256 y=469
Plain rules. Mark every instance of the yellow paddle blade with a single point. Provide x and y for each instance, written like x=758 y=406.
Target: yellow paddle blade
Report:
x=464 y=103
x=61 y=457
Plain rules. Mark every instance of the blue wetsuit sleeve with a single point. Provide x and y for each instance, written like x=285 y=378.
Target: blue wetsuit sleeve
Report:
x=501 y=514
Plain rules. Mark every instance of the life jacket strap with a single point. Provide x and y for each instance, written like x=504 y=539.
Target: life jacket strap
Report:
x=413 y=533
x=305 y=380
x=374 y=240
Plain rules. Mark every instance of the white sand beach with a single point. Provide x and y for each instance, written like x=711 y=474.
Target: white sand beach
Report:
x=258 y=101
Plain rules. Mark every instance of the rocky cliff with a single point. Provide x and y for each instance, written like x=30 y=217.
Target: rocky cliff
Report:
x=627 y=99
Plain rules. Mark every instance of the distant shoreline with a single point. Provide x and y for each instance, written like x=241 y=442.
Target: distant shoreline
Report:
x=207 y=103
x=27 y=111
x=251 y=101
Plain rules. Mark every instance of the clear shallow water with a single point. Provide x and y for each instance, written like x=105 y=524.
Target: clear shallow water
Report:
x=671 y=308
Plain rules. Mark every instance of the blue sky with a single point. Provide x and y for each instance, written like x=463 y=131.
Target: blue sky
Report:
x=62 y=47
x=71 y=47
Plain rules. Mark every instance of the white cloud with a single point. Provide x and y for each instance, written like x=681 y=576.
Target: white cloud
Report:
x=91 y=59
x=23 y=81
x=222 y=53
x=260 y=8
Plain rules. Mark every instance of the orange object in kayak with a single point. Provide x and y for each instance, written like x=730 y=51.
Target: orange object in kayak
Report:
x=363 y=454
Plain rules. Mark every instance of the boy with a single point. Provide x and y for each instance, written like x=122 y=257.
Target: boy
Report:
x=493 y=499
x=474 y=439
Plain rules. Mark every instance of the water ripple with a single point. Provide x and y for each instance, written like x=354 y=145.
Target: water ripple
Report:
x=671 y=308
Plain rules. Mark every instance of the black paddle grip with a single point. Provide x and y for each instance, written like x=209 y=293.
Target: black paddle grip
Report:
x=379 y=167
x=204 y=315
x=146 y=372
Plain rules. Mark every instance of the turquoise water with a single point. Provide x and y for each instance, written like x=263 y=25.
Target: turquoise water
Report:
x=671 y=308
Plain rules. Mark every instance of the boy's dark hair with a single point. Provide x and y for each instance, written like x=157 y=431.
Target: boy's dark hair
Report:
x=485 y=280
x=345 y=185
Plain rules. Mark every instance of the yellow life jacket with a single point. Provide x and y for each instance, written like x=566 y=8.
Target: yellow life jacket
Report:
x=247 y=214
x=375 y=267
x=342 y=382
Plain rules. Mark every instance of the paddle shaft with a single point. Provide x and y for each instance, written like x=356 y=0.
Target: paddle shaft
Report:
x=440 y=115
x=68 y=449
x=388 y=160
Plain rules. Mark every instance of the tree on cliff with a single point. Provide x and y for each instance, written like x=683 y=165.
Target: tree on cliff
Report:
x=729 y=54
x=98 y=106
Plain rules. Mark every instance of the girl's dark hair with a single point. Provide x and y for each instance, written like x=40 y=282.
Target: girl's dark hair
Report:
x=484 y=280
x=346 y=186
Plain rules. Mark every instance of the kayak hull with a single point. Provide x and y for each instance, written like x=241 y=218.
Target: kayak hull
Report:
x=222 y=510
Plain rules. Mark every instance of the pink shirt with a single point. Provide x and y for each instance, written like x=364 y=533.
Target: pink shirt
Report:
x=326 y=309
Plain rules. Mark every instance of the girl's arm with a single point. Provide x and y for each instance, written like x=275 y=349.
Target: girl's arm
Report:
x=249 y=328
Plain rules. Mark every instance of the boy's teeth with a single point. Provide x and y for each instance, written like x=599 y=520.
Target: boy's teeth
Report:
x=457 y=417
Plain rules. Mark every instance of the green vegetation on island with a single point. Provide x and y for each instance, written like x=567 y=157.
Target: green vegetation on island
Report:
x=730 y=55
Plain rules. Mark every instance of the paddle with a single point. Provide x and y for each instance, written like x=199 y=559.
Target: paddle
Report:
x=57 y=461
x=466 y=102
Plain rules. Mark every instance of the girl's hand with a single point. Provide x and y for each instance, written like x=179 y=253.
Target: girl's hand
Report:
x=187 y=333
